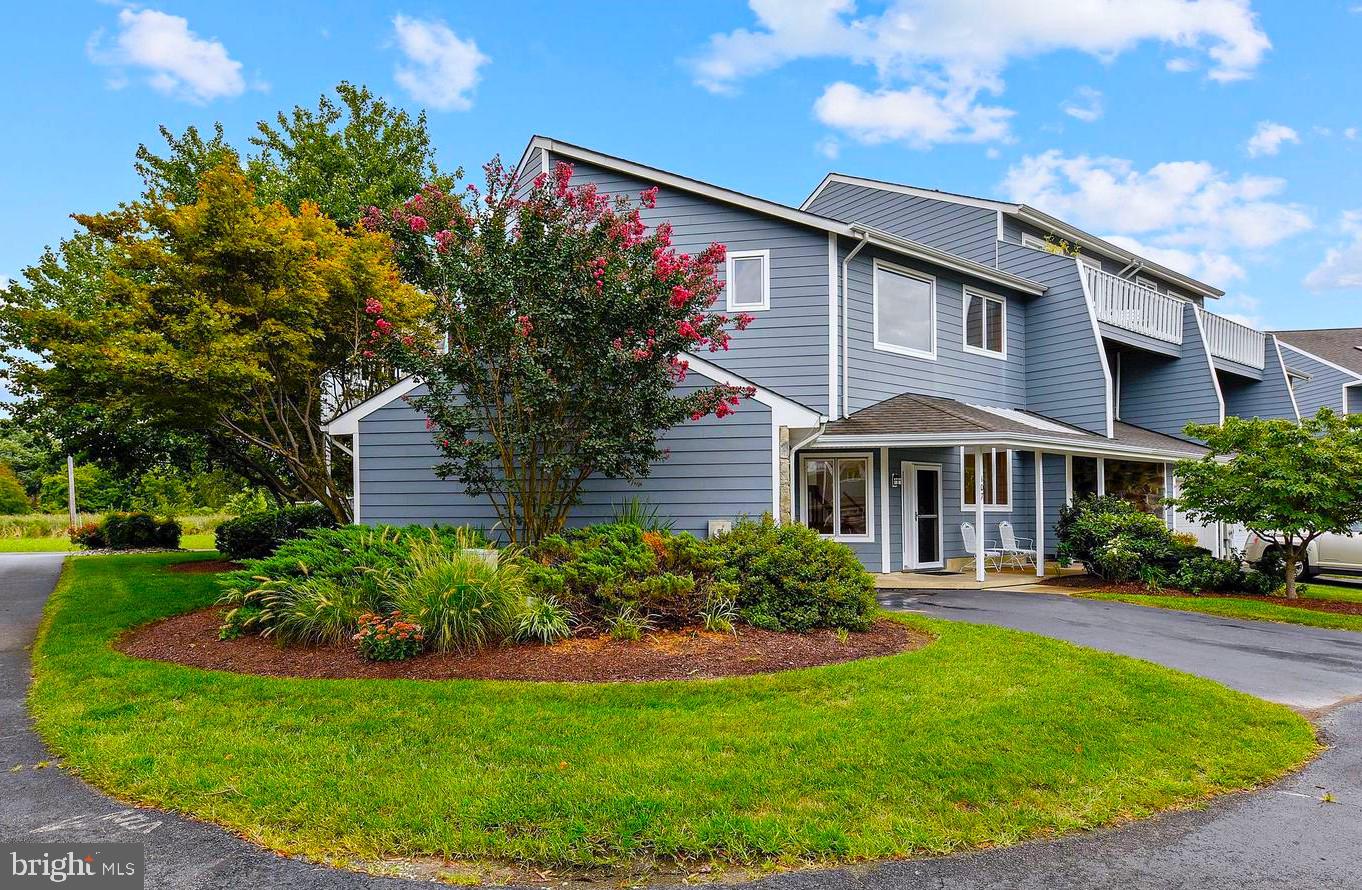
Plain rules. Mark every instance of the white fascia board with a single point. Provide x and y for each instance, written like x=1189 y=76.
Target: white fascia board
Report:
x=1323 y=361
x=347 y=424
x=886 y=240
x=784 y=412
x=1019 y=442
x=1106 y=248
x=914 y=191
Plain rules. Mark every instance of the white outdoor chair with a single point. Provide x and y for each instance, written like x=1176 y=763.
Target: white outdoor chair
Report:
x=1019 y=552
x=992 y=555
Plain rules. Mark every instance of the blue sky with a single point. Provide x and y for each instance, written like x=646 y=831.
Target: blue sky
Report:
x=1222 y=137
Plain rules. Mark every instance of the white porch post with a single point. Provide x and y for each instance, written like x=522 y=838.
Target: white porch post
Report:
x=1039 y=458
x=884 y=510
x=979 y=514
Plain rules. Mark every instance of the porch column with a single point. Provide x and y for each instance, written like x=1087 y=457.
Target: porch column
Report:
x=979 y=514
x=1039 y=459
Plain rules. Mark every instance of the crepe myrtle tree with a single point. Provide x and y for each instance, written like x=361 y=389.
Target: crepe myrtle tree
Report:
x=1288 y=482
x=567 y=320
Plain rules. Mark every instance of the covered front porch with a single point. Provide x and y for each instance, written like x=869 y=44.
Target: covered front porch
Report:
x=908 y=483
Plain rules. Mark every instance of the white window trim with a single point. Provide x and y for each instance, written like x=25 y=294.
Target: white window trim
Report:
x=908 y=487
x=869 y=459
x=1091 y=262
x=1069 y=476
x=1147 y=283
x=929 y=280
x=1034 y=242
x=967 y=454
x=765 y=257
x=966 y=293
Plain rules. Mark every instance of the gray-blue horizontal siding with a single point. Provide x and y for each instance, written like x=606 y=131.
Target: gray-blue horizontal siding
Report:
x=532 y=167
x=1323 y=389
x=717 y=469
x=877 y=374
x=962 y=229
x=786 y=348
x=1267 y=398
x=1063 y=362
x=1113 y=334
x=1164 y=394
x=1013 y=229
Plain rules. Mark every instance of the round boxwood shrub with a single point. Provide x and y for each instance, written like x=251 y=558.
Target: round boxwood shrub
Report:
x=1113 y=538
x=128 y=531
x=791 y=578
x=257 y=535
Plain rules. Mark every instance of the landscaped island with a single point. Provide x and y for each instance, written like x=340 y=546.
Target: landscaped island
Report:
x=983 y=736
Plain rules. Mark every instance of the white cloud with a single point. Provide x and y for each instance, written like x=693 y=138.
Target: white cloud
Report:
x=177 y=61
x=1341 y=267
x=1186 y=214
x=1085 y=105
x=829 y=148
x=1269 y=138
x=935 y=59
x=441 y=68
x=1350 y=133
x=1180 y=65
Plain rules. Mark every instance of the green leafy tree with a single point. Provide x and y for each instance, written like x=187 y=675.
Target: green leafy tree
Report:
x=1288 y=482
x=239 y=319
x=13 y=498
x=567 y=321
x=96 y=491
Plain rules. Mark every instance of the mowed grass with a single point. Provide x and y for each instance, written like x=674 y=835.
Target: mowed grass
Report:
x=62 y=544
x=1256 y=608
x=984 y=737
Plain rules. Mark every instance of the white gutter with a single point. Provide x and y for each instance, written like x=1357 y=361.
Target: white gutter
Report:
x=951 y=261
x=843 y=291
x=1004 y=440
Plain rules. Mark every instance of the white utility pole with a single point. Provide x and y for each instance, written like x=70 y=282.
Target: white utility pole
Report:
x=71 y=487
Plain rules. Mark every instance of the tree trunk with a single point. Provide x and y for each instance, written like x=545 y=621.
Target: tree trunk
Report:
x=1290 y=571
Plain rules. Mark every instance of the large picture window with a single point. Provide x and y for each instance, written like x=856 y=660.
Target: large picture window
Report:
x=838 y=497
x=985 y=323
x=905 y=311
x=1137 y=481
x=997 y=479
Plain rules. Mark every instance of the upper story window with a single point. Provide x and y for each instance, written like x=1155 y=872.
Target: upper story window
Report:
x=997 y=479
x=748 y=280
x=985 y=323
x=1091 y=262
x=1146 y=283
x=904 y=311
x=838 y=497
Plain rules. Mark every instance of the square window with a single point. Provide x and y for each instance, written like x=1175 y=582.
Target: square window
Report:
x=905 y=311
x=997 y=478
x=748 y=280
x=839 y=497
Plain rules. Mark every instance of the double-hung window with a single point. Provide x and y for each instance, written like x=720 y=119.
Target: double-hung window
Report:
x=905 y=311
x=748 y=280
x=997 y=479
x=985 y=323
x=839 y=497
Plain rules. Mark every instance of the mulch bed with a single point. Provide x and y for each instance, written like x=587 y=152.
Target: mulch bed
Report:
x=204 y=566
x=1132 y=588
x=191 y=639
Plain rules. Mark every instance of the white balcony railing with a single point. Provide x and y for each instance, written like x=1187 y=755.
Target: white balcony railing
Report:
x=1233 y=341
x=1124 y=304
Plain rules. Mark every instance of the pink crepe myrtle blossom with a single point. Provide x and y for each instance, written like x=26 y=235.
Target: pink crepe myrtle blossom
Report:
x=372 y=306
x=418 y=224
x=648 y=197
x=383 y=325
x=523 y=326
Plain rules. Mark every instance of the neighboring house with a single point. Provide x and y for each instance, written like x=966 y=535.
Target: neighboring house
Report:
x=1325 y=368
x=921 y=360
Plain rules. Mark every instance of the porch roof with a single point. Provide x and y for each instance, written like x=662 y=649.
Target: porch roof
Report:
x=921 y=420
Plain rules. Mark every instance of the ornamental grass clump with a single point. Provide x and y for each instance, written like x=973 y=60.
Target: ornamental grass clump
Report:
x=462 y=600
x=545 y=620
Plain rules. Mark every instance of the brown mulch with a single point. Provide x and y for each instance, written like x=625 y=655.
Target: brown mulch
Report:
x=204 y=566
x=1134 y=588
x=191 y=639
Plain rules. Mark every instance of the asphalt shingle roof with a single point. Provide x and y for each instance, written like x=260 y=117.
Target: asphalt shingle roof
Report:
x=1342 y=346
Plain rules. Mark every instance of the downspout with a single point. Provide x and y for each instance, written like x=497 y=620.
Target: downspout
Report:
x=846 y=287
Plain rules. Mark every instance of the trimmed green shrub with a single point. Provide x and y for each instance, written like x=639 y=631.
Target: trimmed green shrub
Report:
x=13 y=498
x=257 y=535
x=1113 y=539
x=1207 y=574
x=788 y=577
x=128 y=531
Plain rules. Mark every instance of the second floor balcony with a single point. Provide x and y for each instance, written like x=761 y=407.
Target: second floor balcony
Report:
x=1123 y=304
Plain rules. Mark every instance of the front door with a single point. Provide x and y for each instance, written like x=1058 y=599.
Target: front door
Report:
x=921 y=516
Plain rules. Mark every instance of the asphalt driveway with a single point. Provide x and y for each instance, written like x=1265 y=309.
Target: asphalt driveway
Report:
x=1284 y=836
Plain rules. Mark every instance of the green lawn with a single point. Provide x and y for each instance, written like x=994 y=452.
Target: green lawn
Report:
x=60 y=544
x=985 y=737
x=1254 y=607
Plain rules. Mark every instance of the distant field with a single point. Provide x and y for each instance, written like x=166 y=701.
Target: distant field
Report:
x=54 y=544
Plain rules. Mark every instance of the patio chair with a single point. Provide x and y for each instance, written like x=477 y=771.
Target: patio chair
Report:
x=1019 y=552
x=992 y=555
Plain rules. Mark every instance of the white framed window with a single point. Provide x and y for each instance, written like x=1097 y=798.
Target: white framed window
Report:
x=838 y=496
x=1034 y=242
x=904 y=311
x=985 y=323
x=1146 y=283
x=1091 y=262
x=747 y=280
x=997 y=464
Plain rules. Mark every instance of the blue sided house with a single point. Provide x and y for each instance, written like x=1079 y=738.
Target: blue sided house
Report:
x=926 y=365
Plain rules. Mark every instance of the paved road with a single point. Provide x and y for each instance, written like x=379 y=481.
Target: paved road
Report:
x=1281 y=837
x=1304 y=667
